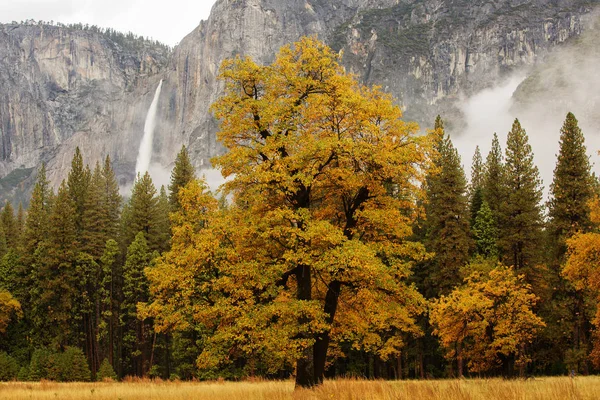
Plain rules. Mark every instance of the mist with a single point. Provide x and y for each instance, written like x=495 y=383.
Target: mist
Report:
x=565 y=81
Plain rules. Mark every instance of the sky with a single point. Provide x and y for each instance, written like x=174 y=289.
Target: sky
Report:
x=165 y=21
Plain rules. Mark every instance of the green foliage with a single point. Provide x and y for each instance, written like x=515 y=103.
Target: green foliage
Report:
x=68 y=366
x=485 y=233
x=106 y=372
x=182 y=174
x=142 y=214
x=9 y=369
x=494 y=191
x=572 y=187
x=447 y=225
x=520 y=222
x=73 y=366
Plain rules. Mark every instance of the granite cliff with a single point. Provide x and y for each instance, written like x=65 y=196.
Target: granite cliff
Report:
x=63 y=87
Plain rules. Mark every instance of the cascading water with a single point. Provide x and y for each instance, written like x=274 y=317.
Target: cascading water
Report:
x=145 y=152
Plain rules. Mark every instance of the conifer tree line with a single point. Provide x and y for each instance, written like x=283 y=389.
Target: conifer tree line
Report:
x=364 y=252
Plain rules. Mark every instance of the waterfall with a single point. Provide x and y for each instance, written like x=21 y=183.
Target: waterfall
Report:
x=145 y=152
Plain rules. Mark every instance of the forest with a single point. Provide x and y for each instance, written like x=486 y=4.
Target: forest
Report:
x=345 y=243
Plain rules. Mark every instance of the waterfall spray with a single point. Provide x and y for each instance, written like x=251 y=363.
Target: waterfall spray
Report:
x=145 y=152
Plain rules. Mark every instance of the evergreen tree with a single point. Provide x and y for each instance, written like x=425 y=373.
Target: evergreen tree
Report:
x=521 y=214
x=494 y=191
x=135 y=290
x=20 y=224
x=109 y=301
x=93 y=220
x=9 y=223
x=571 y=189
x=77 y=183
x=54 y=290
x=485 y=233
x=3 y=245
x=183 y=172
x=476 y=187
x=163 y=225
x=447 y=224
x=141 y=214
x=111 y=201
x=38 y=214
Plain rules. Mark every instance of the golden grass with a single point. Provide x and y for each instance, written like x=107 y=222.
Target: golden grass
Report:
x=580 y=388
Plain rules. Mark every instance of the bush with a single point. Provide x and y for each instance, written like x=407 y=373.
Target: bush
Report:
x=23 y=375
x=106 y=372
x=73 y=366
x=69 y=366
x=9 y=369
x=40 y=364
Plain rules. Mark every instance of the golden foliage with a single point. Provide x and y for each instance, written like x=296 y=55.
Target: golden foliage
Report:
x=326 y=186
x=10 y=308
x=489 y=316
x=583 y=268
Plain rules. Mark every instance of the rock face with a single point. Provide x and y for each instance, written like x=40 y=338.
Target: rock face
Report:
x=61 y=87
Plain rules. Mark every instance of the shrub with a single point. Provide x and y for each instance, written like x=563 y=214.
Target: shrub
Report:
x=73 y=366
x=106 y=372
x=9 y=368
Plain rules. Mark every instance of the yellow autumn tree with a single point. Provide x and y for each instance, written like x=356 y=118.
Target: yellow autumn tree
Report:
x=582 y=269
x=488 y=317
x=314 y=249
x=10 y=309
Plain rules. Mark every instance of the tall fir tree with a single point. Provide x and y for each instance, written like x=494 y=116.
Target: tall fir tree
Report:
x=9 y=223
x=182 y=174
x=54 y=292
x=135 y=290
x=521 y=214
x=141 y=214
x=38 y=214
x=78 y=183
x=112 y=201
x=447 y=224
x=571 y=191
x=163 y=225
x=476 y=185
x=485 y=233
x=494 y=190
x=93 y=222
x=572 y=188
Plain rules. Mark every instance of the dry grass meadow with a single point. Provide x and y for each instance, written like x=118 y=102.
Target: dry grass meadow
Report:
x=476 y=389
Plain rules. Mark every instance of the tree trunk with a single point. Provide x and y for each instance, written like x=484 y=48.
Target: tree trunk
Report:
x=305 y=370
x=322 y=344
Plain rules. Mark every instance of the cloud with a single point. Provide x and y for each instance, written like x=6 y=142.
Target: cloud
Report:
x=168 y=22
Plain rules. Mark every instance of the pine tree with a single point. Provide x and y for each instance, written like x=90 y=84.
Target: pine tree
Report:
x=93 y=222
x=571 y=189
x=38 y=214
x=78 y=183
x=476 y=186
x=183 y=172
x=109 y=300
x=141 y=213
x=54 y=290
x=447 y=224
x=3 y=245
x=485 y=233
x=9 y=224
x=135 y=290
x=111 y=201
x=493 y=188
x=521 y=214
x=163 y=225
x=20 y=224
